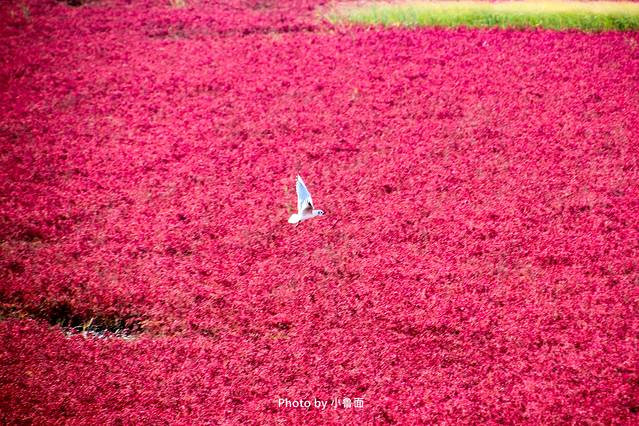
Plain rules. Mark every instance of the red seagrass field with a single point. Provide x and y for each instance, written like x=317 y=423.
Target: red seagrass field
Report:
x=478 y=260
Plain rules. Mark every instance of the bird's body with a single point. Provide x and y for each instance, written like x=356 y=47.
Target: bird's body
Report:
x=305 y=209
x=295 y=217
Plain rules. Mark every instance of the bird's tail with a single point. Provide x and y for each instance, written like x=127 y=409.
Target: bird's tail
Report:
x=294 y=218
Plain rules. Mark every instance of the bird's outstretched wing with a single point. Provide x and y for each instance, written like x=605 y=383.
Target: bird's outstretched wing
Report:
x=304 y=200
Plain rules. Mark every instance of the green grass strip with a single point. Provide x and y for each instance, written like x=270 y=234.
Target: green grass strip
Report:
x=559 y=15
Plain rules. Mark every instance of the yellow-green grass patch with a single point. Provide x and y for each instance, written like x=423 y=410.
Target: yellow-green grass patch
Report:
x=559 y=15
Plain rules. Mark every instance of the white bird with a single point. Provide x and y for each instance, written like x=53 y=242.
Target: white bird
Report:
x=304 y=204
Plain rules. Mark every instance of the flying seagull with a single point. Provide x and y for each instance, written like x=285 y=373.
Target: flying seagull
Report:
x=304 y=204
